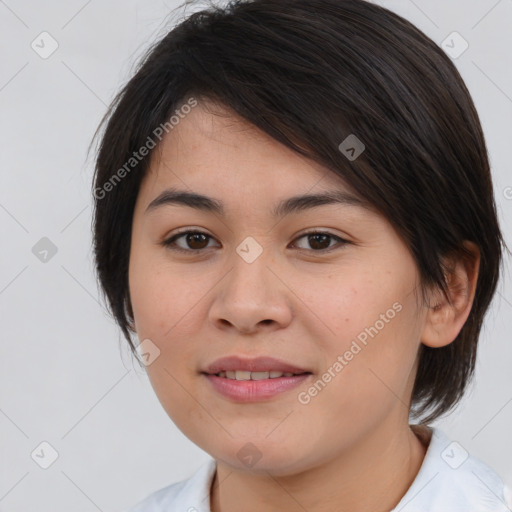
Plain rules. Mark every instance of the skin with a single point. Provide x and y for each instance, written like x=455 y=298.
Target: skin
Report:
x=294 y=302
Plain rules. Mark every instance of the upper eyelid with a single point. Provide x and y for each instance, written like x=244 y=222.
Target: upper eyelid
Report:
x=311 y=231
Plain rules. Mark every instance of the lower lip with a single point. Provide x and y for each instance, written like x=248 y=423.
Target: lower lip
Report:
x=254 y=390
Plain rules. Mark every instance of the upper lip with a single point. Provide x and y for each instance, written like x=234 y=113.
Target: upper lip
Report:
x=257 y=364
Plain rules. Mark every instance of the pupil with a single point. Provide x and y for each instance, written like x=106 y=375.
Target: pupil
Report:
x=315 y=245
x=195 y=236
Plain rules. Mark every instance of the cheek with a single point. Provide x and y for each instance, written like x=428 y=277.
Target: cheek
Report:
x=163 y=303
x=149 y=297
x=162 y=298
x=347 y=303
x=375 y=327
x=167 y=310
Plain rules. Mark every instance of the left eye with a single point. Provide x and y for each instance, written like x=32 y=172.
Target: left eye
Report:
x=197 y=241
x=321 y=241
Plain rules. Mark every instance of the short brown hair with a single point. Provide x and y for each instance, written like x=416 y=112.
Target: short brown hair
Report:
x=309 y=73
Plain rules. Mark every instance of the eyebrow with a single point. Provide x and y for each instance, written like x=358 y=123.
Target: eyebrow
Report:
x=288 y=206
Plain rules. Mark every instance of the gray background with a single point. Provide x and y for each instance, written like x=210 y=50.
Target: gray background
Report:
x=66 y=376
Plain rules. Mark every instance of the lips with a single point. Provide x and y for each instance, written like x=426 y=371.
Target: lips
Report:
x=258 y=364
x=245 y=380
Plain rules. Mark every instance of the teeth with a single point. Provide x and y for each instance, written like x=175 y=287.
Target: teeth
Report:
x=245 y=375
x=259 y=375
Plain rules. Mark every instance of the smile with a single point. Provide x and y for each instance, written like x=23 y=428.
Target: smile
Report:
x=246 y=375
x=254 y=386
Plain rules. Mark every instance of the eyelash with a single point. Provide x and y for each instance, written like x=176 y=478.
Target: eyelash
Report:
x=170 y=242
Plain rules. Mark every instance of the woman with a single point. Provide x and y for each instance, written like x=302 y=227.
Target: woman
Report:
x=294 y=215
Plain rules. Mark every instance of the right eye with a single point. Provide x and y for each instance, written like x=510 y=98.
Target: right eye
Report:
x=192 y=238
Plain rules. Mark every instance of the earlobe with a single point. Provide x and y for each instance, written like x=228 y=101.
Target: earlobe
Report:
x=445 y=318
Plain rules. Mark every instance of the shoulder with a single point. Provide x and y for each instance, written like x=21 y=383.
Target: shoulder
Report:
x=452 y=480
x=190 y=495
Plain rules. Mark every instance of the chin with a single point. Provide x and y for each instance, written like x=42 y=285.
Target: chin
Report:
x=264 y=458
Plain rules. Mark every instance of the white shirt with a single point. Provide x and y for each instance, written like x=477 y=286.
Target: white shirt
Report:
x=449 y=480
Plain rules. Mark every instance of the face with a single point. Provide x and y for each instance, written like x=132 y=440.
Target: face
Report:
x=329 y=289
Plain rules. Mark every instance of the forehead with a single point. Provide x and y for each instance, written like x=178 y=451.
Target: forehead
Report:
x=212 y=148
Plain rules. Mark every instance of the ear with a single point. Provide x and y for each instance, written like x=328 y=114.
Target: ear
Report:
x=445 y=318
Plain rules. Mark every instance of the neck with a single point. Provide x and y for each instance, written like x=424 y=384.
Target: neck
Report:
x=372 y=475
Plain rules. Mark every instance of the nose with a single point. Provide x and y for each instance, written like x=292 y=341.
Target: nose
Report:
x=252 y=297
